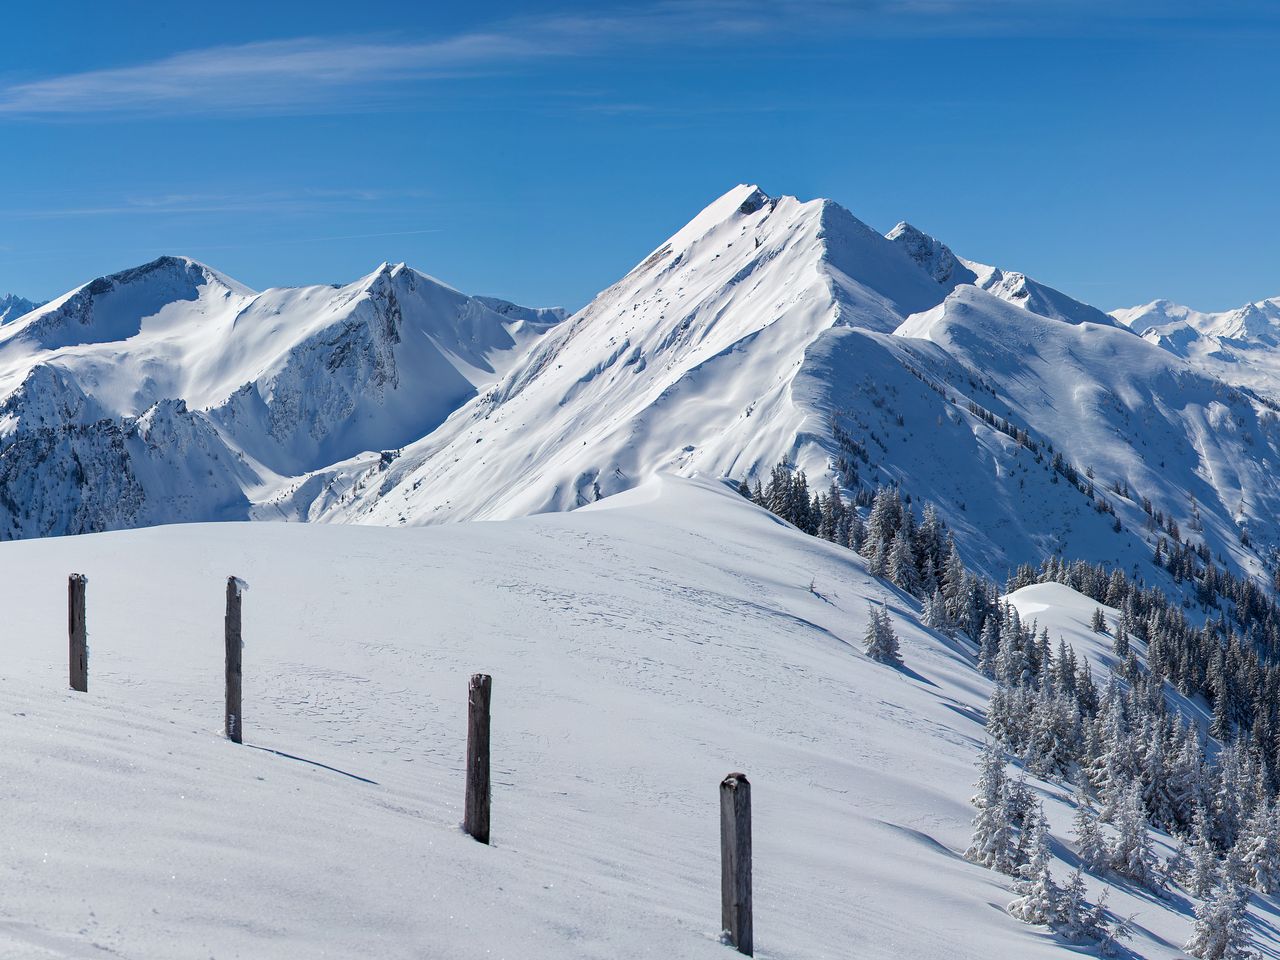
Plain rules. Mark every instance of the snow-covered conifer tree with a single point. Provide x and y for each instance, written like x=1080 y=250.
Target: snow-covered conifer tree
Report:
x=993 y=833
x=1113 y=934
x=1132 y=855
x=900 y=567
x=1177 y=868
x=935 y=613
x=1261 y=855
x=1037 y=903
x=880 y=641
x=882 y=525
x=1074 y=920
x=989 y=646
x=1220 y=932
x=1204 y=860
x=1090 y=844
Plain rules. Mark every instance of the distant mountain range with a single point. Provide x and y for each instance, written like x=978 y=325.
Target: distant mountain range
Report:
x=766 y=328
x=13 y=306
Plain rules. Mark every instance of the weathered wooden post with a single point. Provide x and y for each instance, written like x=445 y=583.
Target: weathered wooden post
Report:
x=235 y=726
x=735 y=862
x=476 y=815
x=79 y=652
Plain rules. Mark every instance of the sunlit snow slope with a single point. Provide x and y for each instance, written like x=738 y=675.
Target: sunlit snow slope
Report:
x=640 y=650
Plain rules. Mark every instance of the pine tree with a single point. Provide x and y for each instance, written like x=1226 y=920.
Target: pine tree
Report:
x=935 y=613
x=1114 y=934
x=1177 y=869
x=993 y=841
x=832 y=513
x=880 y=641
x=1233 y=867
x=989 y=647
x=954 y=579
x=1030 y=822
x=1261 y=854
x=1132 y=856
x=857 y=532
x=1220 y=932
x=901 y=565
x=1038 y=900
x=1074 y=920
x=1204 y=860
x=1099 y=622
x=882 y=525
x=1090 y=844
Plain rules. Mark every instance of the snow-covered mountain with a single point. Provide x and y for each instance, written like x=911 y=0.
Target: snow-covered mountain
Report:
x=767 y=327
x=13 y=306
x=1237 y=345
x=1168 y=323
x=170 y=392
x=939 y=262
x=770 y=328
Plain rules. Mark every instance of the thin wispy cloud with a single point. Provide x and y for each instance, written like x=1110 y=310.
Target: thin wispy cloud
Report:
x=275 y=202
x=317 y=74
x=261 y=76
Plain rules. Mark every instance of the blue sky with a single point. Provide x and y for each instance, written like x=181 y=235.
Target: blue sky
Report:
x=1121 y=151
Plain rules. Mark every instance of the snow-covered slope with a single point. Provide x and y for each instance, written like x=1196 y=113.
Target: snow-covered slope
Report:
x=640 y=649
x=266 y=386
x=1143 y=422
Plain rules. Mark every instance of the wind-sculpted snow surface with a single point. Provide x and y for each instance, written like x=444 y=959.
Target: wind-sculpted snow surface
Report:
x=640 y=649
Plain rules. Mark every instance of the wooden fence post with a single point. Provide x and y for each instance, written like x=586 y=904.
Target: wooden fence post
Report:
x=476 y=815
x=234 y=725
x=735 y=862
x=79 y=651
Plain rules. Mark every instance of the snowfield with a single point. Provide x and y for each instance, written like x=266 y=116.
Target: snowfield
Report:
x=641 y=649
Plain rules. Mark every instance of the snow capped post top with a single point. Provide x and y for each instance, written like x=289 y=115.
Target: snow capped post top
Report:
x=238 y=586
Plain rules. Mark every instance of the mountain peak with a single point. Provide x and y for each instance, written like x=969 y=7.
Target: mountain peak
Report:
x=744 y=200
x=933 y=256
x=112 y=307
x=187 y=269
